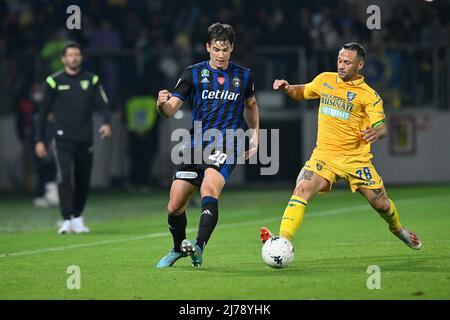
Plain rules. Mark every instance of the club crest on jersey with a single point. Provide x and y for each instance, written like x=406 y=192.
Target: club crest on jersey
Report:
x=84 y=84
x=351 y=95
x=221 y=80
x=236 y=82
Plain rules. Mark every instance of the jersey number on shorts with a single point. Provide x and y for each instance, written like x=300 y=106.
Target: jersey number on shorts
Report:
x=218 y=158
x=366 y=172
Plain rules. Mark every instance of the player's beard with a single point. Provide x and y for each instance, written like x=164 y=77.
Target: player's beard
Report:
x=347 y=76
x=74 y=66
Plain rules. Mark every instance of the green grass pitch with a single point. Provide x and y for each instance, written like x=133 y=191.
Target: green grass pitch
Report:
x=340 y=237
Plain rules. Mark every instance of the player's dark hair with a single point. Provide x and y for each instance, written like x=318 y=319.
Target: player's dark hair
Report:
x=71 y=44
x=354 y=46
x=221 y=32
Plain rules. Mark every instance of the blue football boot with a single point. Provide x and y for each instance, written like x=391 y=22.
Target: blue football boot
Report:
x=193 y=250
x=170 y=259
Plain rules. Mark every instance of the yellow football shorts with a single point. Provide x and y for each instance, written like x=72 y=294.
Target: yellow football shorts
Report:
x=356 y=171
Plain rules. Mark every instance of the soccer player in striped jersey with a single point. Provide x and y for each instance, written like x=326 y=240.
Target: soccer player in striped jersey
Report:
x=351 y=118
x=221 y=95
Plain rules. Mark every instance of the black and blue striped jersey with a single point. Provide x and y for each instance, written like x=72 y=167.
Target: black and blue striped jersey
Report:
x=217 y=97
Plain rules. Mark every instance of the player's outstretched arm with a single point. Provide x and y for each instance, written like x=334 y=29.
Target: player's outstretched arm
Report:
x=167 y=104
x=293 y=91
x=252 y=118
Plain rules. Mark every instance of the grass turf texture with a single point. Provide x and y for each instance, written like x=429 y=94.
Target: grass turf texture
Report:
x=340 y=237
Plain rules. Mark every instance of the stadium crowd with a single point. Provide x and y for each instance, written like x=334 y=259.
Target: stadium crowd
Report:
x=125 y=41
x=34 y=31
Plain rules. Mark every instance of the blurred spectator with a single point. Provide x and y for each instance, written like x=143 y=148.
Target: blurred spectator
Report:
x=32 y=31
x=107 y=42
x=51 y=52
x=24 y=112
x=142 y=124
x=402 y=28
x=4 y=79
x=435 y=34
x=46 y=188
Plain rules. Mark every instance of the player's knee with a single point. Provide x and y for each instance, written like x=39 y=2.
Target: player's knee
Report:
x=303 y=190
x=209 y=190
x=174 y=208
x=381 y=205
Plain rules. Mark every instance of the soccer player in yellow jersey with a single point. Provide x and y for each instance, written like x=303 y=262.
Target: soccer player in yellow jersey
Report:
x=351 y=118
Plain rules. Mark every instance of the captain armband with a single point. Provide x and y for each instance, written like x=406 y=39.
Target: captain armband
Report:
x=378 y=124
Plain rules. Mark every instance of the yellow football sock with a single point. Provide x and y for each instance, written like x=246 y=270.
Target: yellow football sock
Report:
x=392 y=217
x=292 y=217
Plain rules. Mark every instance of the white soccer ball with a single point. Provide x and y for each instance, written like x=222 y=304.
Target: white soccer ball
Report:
x=278 y=252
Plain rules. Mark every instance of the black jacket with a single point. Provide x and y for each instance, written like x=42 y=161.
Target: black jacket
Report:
x=72 y=99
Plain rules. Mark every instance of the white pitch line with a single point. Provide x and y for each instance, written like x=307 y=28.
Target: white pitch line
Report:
x=223 y=226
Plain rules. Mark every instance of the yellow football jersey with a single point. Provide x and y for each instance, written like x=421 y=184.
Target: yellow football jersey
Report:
x=345 y=109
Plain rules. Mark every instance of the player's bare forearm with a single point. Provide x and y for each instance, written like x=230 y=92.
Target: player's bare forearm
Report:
x=168 y=105
x=166 y=110
x=292 y=91
x=295 y=91
x=252 y=114
x=382 y=131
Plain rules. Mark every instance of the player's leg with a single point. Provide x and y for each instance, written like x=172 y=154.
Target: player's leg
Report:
x=308 y=184
x=210 y=190
x=180 y=193
x=386 y=208
x=82 y=177
x=64 y=162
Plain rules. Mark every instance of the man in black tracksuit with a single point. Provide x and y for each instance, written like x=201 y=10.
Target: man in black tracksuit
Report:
x=72 y=95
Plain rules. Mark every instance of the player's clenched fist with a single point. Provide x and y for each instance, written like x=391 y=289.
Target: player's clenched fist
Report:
x=280 y=84
x=163 y=97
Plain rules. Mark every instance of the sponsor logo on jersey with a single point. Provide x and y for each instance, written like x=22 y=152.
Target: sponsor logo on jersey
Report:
x=205 y=80
x=236 y=82
x=334 y=101
x=84 y=84
x=219 y=94
x=351 y=95
x=63 y=87
x=335 y=112
x=186 y=175
x=221 y=80
x=328 y=86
